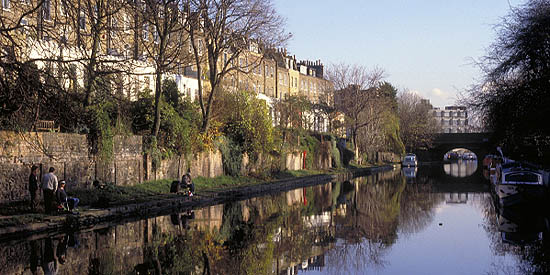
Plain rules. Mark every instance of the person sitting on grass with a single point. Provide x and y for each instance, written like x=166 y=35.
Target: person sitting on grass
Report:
x=65 y=200
x=186 y=180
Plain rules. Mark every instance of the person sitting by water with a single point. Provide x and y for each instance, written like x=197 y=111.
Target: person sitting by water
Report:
x=186 y=179
x=176 y=187
x=65 y=200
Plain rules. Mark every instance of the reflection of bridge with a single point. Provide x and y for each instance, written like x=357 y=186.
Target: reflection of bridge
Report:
x=443 y=143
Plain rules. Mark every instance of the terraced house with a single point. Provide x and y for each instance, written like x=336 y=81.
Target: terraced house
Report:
x=132 y=45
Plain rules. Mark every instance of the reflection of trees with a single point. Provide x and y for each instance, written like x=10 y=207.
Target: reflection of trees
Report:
x=273 y=231
x=417 y=207
x=370 y=226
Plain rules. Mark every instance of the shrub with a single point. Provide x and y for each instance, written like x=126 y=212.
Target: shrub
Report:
x=232 y=156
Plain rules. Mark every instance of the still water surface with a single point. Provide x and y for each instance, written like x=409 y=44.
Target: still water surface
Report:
x=420 y=221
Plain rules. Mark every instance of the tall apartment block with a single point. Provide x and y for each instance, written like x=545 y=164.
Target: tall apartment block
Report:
x=452 y=119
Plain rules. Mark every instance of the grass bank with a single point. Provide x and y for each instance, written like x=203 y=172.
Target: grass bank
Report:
x=112 y=195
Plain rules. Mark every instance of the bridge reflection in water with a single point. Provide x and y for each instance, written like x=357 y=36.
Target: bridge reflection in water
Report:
x=461 y=168
x=380 y=223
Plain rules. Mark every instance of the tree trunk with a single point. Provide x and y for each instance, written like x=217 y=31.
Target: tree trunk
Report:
x=355 y=147
x=199 y=80
x=93 y=58
x=158 y=93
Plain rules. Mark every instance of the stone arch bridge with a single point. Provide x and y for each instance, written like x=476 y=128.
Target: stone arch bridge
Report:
x=478 y=143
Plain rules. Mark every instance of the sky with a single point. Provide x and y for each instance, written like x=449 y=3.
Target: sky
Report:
x=425 y=46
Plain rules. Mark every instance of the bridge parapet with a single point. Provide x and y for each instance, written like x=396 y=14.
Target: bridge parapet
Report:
x=462 y=138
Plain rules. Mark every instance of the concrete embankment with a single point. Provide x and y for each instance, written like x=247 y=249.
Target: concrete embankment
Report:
x=94 y=218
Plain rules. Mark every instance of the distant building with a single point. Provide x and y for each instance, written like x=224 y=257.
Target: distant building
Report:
x=452 y=119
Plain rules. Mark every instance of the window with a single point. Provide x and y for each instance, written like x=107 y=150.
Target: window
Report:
x=127 y=23
x=114 y=27
x=95 y=16
x=146 y=31
x=46 y=15
x=155 y=34
x=63 y=7
x=201 y=45
x=82 y=21
x=147 y=82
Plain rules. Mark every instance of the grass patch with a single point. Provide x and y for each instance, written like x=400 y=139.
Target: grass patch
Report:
x=112 y=194
x=296 y=174
x=222 y=182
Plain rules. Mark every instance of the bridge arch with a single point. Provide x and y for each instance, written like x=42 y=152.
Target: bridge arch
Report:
x=476 y=142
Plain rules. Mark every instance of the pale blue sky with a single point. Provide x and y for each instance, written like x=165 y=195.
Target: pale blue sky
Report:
x=423 y=45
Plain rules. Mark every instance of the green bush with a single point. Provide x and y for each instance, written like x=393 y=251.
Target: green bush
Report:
x=232 y=156
x=336 y=160
x=246 y=121
x=179 y=125
x=311 y=146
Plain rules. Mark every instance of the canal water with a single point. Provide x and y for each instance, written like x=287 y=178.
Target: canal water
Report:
x=436 y=219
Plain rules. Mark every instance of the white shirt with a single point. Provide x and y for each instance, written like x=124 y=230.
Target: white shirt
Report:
x=49 y=181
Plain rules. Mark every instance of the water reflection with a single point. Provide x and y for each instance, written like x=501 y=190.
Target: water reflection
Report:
x=460 y=168
x=382 y=223
x=410 y=173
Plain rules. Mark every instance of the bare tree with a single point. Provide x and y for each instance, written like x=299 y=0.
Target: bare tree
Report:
x=90 y=37
x=417 y=125
x=20 y=91
x=226 y=31
x=163 y=40
x=357 y=97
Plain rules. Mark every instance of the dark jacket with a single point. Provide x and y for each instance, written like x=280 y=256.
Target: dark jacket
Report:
x=61 y=195
x=33 y=183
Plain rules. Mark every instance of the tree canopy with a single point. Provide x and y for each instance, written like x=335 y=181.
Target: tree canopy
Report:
x=513 y=95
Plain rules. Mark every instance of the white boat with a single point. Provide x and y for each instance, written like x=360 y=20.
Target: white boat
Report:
x=409 y=161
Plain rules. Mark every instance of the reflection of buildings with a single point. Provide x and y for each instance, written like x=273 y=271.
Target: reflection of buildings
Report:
x=315 y=263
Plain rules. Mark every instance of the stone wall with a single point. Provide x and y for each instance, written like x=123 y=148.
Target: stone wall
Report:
x=294 y=161
x=383 y=157
x=126 y=168
x=205 y=164
x=69 y=155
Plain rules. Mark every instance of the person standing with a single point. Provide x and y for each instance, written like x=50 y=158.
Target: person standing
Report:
x=49 y=186
x=34 y=187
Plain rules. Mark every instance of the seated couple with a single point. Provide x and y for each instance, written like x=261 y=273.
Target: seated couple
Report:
x=185 y=183
x=64 y=201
